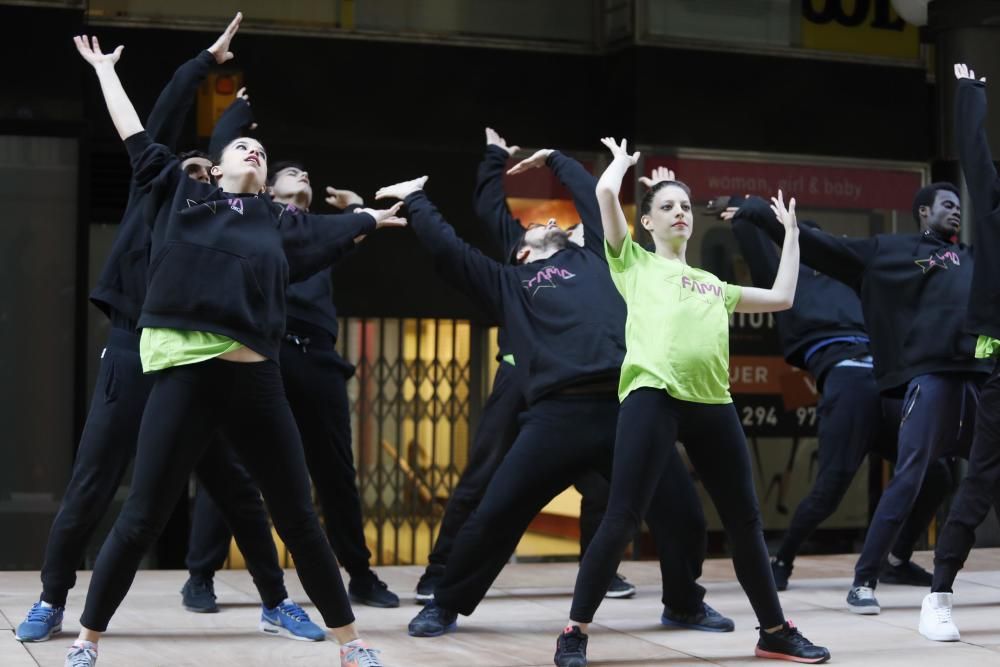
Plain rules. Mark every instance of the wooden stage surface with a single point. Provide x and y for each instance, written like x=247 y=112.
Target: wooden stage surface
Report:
x=518 y=622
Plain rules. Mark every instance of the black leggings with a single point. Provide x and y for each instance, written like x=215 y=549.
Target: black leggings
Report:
x=188 y=404
x=854 y=420
x=649 y=421
x=106 y=448
x=979 y=491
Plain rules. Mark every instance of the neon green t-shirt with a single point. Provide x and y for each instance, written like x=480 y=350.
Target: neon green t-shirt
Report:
x=987 y=347
x=165 y=348
x=677 y=329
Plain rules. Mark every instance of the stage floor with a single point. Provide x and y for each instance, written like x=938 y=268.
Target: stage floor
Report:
x=518 y=623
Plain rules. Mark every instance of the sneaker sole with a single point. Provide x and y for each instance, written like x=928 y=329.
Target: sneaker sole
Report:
x=201 y=610
x=451 y=627
x=692 y=626
x=374 y=603
x=30 y=640
x=761 y=653
x=940 y=638
x=865 y=611
x=280 y=631
x=618 y=595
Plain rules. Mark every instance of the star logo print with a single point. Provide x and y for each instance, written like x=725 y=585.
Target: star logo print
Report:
x=210 y=205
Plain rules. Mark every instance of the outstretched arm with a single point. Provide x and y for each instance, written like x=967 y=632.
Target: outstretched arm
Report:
x=490 y=199
x=973 y=145
x=843 y=259
x=234 y=123
x=781 y=295
x=123 y=114
x=167 y=117
x=466 y=267
x=758 y=251
x=313 y=242
x=612 y=216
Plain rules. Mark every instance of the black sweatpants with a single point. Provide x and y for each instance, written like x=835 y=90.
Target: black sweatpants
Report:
x=315 y=378
x=978 y=491
x=187 y=406
x=560 y=439
x=649 y=421
x=494 y=436
x=855 y=421
x=937 y=419
x=106 y=448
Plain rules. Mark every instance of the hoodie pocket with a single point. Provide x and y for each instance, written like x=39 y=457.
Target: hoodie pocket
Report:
x=206 y=283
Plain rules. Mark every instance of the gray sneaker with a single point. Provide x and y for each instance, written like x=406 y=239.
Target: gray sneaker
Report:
x=81 y=655
x=861 y=600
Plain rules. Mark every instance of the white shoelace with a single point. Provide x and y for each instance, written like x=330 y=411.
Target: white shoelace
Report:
x=864 y=593
x=943 y=614
x=81 y=656
x=366 y=657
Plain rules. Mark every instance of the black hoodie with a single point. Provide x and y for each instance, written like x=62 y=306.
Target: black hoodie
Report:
x=824 y=309
x=984 y=190
x=221 y=262
x=914 y=289
x=564 y=317
x=121 y=286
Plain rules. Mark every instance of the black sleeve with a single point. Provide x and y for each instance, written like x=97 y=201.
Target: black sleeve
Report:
x=313 y=242
x=843 y=259
x=155 y=169
x=234 y=123
x=167 y=117
x=582 y=185
x=758 y=251
x=469 y=270
x=490 y=201
x=974 y=148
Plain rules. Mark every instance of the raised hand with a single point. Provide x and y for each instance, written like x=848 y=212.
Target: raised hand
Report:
x=90 y=49
x=658 y=175
x=401 y=190
x=730 y=213
x=535 y=161
x=785 y=215
x=493 y=138
x=385 y=217
x=962 y=71
x=620 y=152
x=342 y=198
x=243 y=95
x=220 y=50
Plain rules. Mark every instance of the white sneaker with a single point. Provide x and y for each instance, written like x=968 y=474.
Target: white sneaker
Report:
x=935 y=618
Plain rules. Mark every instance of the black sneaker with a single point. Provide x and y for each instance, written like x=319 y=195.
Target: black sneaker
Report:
x=789 y=644
x=370 y=590
x=432 y=621
x=429 y=580
x=620 y=588
x=198 y=595
x=907 y=574
x=705 y=619
x=862 y=600
x=571 y=648
x=781 y=571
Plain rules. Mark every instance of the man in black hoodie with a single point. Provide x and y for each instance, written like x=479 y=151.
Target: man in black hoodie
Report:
x=565 y=322
x=824 y=334
x=980 y=490
x=914 y=289
x=498 y=422
x=315 y=378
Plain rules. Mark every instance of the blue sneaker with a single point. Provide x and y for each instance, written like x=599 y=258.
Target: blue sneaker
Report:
x=42 y=622
x=290 y=620
x=705 y=619
x=433 y=621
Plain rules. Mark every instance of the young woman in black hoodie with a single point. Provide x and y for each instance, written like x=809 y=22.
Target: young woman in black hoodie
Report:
x=211 y=327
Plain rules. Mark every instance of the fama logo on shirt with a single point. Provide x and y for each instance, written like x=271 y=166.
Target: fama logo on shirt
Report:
x=939 y=260
x=708 y=291
x=544 y=278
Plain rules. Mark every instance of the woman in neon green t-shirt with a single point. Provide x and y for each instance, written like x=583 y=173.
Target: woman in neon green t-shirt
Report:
x=675 y=386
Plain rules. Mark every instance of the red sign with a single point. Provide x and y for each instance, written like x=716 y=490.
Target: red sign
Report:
x=812 y=186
